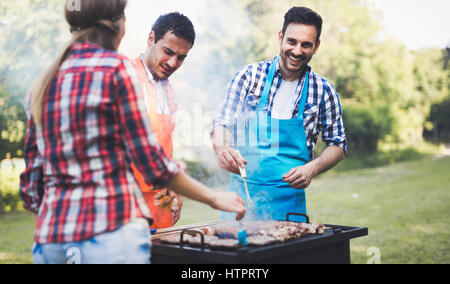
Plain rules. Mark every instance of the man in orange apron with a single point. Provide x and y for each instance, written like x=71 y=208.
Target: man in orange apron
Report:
x=169 y=43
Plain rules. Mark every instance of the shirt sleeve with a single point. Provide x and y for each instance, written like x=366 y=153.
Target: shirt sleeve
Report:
x=32 y=179
x=234 y=101
x=332 y=123
x=139 y=139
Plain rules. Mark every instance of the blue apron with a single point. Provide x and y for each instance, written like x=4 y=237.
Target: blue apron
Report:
x=272 y=147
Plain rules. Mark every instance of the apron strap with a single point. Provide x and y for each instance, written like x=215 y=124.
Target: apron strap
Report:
x=268 y=86
x=152 y=96
x=302 y=103
x=140 y=67
x=171 y=96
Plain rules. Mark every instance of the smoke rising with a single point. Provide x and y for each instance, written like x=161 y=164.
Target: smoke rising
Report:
x=201 y=82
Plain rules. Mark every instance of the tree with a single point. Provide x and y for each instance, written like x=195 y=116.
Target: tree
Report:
x=365 y=67
x=440 y=120
x=1 y=203
x=31 y=33
x=12 y=126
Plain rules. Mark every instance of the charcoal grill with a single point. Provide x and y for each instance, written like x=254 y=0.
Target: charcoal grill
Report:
x=332 y=247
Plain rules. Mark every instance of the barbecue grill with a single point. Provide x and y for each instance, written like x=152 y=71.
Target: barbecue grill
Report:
x=331 y=247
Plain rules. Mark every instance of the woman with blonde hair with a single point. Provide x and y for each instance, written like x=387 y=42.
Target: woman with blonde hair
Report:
x=87 y=124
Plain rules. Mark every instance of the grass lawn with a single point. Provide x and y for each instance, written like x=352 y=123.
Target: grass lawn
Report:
x=16 y=237
x=405 y=206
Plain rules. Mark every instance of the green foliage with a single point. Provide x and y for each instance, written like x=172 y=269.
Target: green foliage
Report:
x=365 y=126
x=1 y=203
x=198 y=171
x=431 y=77
x=364 y=66
x=212 y=177
x=9 y=189
x=12 y=126
x=440 y=119
x=10 y=202
x=32 y=32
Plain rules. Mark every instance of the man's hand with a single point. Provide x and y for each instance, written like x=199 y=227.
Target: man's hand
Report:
x=165 y=199
x=170 y=201
x=300 y=177
x=176 y=208
x=229 y=159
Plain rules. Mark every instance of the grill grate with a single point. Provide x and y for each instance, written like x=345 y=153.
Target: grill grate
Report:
x=333 y=246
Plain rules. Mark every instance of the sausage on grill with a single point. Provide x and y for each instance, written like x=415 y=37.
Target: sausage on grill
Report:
x=260 y=233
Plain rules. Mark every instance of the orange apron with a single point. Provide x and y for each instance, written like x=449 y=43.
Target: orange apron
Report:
x=163 y=127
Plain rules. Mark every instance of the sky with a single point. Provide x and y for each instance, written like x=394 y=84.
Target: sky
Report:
x=417 y=23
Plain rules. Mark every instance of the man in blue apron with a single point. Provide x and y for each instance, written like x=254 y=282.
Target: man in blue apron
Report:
x=270 y=121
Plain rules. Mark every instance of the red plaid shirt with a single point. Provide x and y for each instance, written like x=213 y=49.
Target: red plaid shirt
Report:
x=94 y=125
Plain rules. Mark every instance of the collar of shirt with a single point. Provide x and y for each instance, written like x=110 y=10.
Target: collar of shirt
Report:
x=157 y=84
x=80 y=47
x=150 y=76
x=277 y=83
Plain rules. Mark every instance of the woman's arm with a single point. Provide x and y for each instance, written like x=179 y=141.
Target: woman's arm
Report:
x=32 y=179
x=191 y=188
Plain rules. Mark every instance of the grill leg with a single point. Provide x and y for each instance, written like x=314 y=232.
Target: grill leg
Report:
x=346 y=257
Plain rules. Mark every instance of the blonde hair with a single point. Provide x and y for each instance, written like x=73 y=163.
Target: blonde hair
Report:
x=94 y=22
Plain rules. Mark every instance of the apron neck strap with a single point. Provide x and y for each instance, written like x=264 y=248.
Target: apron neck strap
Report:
x=152 y=95
x=302 y=103
x=268 y=86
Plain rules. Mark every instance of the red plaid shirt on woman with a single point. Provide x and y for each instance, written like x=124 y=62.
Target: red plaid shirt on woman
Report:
x=94 y=125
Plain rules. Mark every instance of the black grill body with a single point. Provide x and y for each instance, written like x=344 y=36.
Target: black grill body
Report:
x=332 y=247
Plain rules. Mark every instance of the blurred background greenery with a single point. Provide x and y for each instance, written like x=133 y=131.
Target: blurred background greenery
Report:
x=395 y=99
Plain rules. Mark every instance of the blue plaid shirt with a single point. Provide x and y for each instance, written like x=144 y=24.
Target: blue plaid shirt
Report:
x=323 y=110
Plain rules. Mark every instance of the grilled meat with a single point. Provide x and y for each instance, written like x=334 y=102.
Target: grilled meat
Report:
x=225 y=232
x=260 y=233
x=173 y=239
x=216 y=243
x=277 y=229
x=261 y=240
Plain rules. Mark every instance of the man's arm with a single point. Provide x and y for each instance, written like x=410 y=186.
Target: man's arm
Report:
x=301 y=177
x=229 y=158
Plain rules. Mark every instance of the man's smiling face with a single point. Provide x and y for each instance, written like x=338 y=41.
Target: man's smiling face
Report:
x=297 y=47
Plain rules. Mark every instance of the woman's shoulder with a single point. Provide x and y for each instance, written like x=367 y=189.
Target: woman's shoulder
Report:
x=91 y=55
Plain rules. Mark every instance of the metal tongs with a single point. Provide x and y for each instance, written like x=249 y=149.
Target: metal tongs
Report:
x=242 y=234
x=249 y=199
